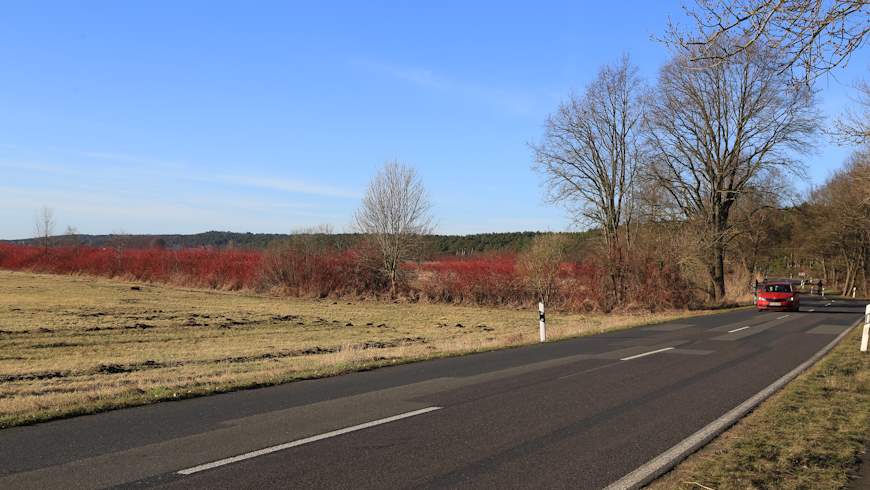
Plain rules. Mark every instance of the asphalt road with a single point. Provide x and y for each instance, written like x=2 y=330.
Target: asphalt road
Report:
x=580 y=413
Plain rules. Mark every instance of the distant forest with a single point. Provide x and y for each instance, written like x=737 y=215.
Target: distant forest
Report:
x=434 y=245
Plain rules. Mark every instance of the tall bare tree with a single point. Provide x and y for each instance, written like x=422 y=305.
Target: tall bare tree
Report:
x=44 y=226
x=590 y=155
x=395 y=214
x=717 y=130
x=811 y=36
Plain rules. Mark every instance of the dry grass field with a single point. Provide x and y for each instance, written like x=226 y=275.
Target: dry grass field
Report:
x=74 y=345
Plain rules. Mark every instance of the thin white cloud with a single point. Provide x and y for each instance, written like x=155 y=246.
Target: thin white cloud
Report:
x=118 y=192
x=36 y=167
x=135 y=159
x=511 y=101
x=280 y=184
x=288 y=185
x=100 y=212
x=417 y=76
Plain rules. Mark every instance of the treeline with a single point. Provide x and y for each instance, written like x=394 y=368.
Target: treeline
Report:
x=826 y=237
x=432 y=245
x=214 y=239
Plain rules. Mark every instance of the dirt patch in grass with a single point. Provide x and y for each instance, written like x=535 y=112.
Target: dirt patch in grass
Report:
x=74 y=345
x=809 y=435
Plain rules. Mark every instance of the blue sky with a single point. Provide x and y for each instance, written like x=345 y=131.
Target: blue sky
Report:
x=181 y=117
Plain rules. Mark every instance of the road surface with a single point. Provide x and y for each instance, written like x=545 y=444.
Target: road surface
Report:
x=580 y=413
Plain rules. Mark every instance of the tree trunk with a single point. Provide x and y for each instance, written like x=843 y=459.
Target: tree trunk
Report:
x=616 y=271
x=864 y=281
x=824 y=271
x=847 y=283
x=717 y=272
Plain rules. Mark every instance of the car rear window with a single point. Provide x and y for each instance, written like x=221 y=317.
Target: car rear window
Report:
x=777 y=288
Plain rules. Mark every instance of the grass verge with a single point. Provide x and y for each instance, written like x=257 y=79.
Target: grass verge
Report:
x=73 y=345
x=808 y=435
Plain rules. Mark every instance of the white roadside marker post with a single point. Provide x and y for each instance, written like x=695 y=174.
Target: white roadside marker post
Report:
x=542 y=322
x=865 y=335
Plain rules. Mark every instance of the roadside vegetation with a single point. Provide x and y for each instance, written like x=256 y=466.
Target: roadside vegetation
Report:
x=75 y=345
x=296 y=268
x=809 y=435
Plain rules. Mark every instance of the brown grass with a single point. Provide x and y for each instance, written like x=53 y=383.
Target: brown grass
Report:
x=808 y=435
x=73 y=345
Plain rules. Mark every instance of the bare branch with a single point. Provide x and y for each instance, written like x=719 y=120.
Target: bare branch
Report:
x=811 y=37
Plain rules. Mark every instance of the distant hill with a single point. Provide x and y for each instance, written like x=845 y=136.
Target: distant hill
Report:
x=434 y=245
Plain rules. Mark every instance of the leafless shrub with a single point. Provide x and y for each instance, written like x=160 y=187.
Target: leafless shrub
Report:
x=539 y=265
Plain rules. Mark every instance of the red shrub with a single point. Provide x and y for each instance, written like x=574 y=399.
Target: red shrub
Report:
x=487 y=279
x=220 y=269
x=320 y=272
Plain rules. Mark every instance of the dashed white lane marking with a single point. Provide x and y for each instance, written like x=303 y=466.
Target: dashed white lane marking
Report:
x=738 y=329
x=645 y=354
x=783 y=316
x=811 y=310
x=668 y=459
x=299 y=442
x=829 y=304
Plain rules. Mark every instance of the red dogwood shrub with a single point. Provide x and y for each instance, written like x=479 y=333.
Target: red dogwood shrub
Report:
x=198 y=267
x=488 y=279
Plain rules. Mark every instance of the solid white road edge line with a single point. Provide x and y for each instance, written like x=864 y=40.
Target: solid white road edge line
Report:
x=299 y=442
x=645 y=354
x=667 y=460
x=738 y=329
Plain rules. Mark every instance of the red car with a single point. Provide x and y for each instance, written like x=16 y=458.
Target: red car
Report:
x=779 y=296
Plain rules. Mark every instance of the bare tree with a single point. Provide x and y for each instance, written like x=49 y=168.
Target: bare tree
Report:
x=811 y=36
x=716 y=131
x=853 y=126
x=395 y=215
x=44 y=226
x=591 y=153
